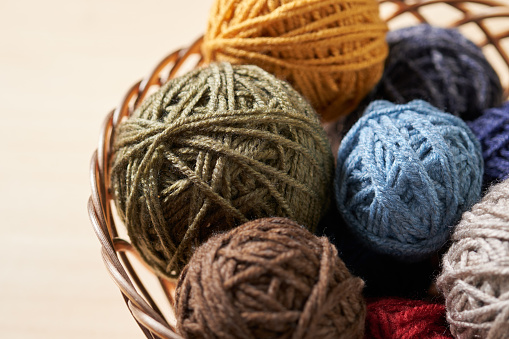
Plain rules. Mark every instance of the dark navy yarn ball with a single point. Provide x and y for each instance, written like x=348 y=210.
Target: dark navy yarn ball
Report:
x=383 y=274
x=492 y=130
x=404 y=176
x=440 y=66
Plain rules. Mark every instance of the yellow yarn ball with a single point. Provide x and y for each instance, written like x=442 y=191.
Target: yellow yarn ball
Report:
x=331 y=51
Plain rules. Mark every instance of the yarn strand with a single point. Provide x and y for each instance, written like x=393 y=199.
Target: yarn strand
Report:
x=331 y=51
x=269 y=278
x=475 y=273
x=232 y=144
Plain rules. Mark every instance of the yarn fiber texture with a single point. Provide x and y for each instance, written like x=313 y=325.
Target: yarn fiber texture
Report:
x=383 y=275
x=440 y=66
x=475 y=273
x=211 y=150
x=492 y=130
x=395 y=318
x=331 y=51
x=269 y=278
x=405 y=175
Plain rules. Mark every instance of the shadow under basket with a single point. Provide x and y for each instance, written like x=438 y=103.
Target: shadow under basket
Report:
x=150 y=298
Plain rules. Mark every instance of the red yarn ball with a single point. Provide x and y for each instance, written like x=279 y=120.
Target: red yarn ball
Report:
x=395 y=318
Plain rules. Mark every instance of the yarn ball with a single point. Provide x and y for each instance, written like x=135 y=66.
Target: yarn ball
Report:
x=475 y=269
x=332 y=51
x=395 y=318
x=211 y=150
x=440 y=66
x=492 y=130
x=269 y=278
x=383 y=275
x=405 y=175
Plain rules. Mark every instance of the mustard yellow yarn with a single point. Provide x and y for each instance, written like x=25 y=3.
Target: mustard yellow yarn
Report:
x=331 y=51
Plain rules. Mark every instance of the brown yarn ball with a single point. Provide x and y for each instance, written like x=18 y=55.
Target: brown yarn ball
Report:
x=269 y=278
x=211 y=150
x=331 y=51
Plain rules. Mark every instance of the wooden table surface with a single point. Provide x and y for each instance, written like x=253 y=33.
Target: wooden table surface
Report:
x=63 y=66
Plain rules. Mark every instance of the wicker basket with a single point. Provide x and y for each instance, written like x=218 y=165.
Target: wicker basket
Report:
x=486 y=22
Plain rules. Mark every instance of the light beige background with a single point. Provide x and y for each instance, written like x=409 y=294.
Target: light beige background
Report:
x=64 y=64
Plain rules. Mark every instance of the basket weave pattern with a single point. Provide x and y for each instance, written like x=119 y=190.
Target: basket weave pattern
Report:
x=477 y=19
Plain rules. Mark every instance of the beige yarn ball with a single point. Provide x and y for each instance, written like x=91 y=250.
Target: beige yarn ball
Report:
x=475 y=273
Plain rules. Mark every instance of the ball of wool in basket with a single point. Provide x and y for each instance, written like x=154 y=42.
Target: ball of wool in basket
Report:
x=475 y=269
x=269 y=278
x=492 y=130
x=440 y=66
x=331 y=51
x=405 y=175
x=211 y=150
x=395 y=318
x=383 y=275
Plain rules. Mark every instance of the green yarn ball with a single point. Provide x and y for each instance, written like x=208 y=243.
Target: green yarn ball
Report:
x=212 y=150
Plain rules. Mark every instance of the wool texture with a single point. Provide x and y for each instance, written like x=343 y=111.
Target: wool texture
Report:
x=405 y=174
x=492 y=130
x=211 y=150
x=331 y=51
x=395 y=318
x=383 y=275
x=440 y=66
x=475 y=272
x=269 y=278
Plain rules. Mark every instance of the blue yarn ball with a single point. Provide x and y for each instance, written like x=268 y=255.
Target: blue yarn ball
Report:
x=405 y=174
x=440 y=66
x=492 y=130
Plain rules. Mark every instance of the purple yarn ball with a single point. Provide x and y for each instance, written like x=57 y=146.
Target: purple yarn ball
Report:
x=492 y=130
x=440 y=66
